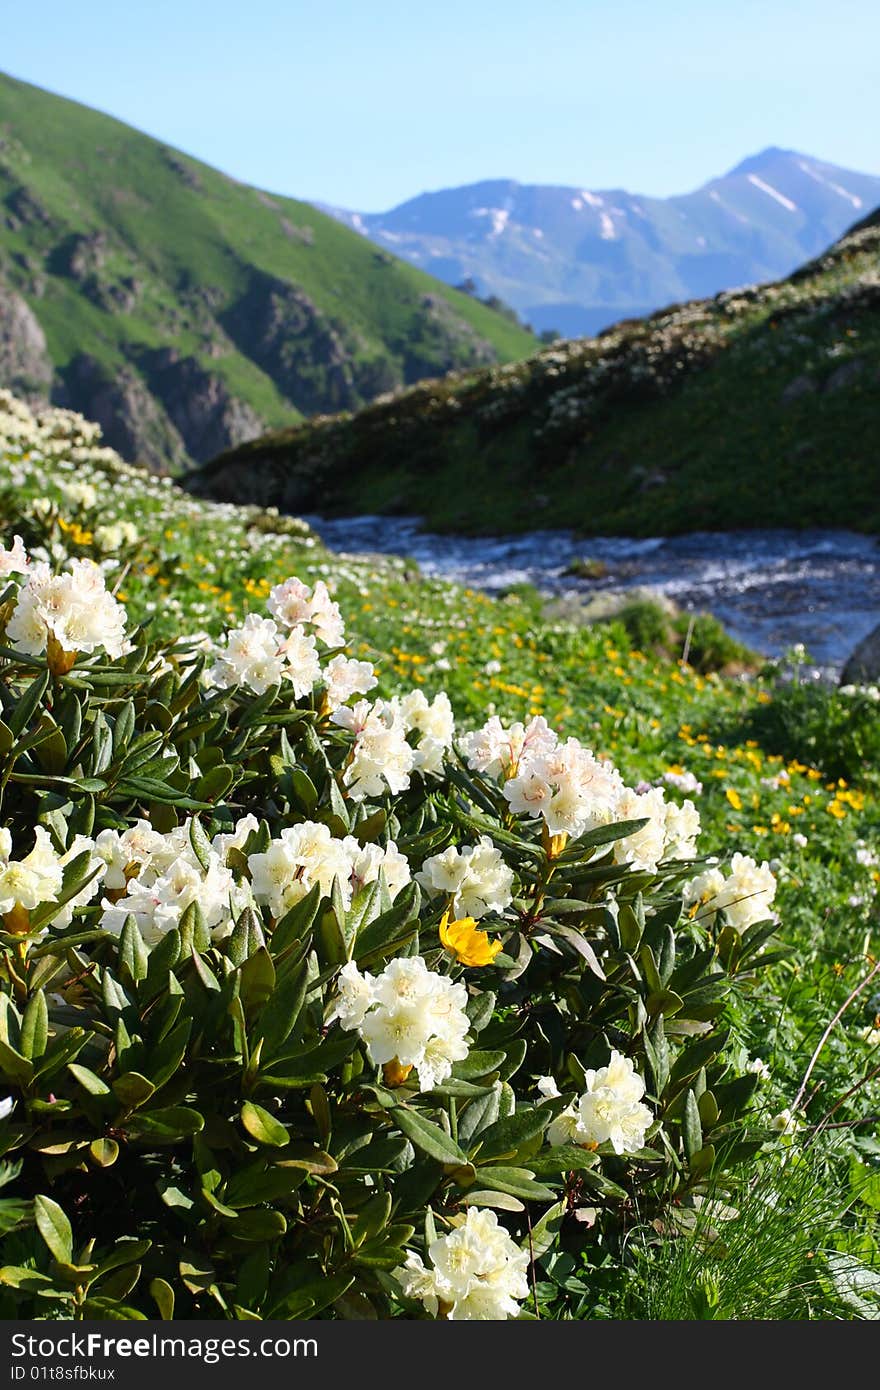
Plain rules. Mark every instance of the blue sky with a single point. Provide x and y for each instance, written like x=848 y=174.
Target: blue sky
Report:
x=365 y=104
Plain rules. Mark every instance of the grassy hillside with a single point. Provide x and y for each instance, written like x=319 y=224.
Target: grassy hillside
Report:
x=755 y=408
x=119 y=246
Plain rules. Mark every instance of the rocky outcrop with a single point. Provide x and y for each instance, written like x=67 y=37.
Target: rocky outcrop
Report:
x=440 y=341
x=199 y=404
x=863 y=667
x=281 y=329
x=25 y=366
x=131 y=420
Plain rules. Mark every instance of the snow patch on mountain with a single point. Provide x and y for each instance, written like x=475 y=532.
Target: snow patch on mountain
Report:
x=772 y=192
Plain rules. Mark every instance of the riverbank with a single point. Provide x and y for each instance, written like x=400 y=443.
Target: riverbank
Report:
x=770 y=589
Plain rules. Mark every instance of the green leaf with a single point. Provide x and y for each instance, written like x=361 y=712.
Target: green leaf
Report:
x=693 y=1131
x=262 y=1126
x=295 y=924
x=283 y=1007
x=35 y=1027
x=131 y=1089
x=133 y=955
x=201 y=845
x=163 y=1296
x=544 y=1233
x=518 y=1182
x=477 y=1064
x=428 y=1137
x=104 y=1152
x=257 y=979
x=506 y=1136
x=258 y=1224
x=54 y=1227
x=14 y=1067
x=165 y=1126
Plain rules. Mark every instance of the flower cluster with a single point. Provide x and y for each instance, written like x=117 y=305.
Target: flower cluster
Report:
x=63 y=614
x=155 y=878
x=475 y=878
x=408 y=1016
x=745 y=895
x=37 y=879
x=610 y=1110
x=306 y=854
x=573 y=791
x=477 y=1272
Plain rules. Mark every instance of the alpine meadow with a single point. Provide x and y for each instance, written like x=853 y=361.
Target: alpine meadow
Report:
x=379 y=947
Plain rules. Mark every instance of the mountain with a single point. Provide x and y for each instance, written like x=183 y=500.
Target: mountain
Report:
x=576 y=261
x=185 y=311
x=753 y=409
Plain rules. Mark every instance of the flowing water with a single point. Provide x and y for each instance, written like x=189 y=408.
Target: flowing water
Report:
x=771 y=589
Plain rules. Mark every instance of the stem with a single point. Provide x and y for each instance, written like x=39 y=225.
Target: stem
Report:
x=532 y=1264
x=826 y=1035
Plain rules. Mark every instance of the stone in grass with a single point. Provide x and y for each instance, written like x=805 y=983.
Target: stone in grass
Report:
x=863 y=666
x=586 y=567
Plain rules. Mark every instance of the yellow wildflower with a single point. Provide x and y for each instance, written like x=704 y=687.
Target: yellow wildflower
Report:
x=468 y=944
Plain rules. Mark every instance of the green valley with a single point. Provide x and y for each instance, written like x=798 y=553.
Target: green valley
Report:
x=185 y=311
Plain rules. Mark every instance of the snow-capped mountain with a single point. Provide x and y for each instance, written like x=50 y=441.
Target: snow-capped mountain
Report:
x=577 y=259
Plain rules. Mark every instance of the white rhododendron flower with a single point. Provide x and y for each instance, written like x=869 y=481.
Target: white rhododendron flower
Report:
x=14 y=560
x=344 y=678
x=570 y=788
x=682 y=830
x=79 y=494
x=115 y=535
x=643 y=849
x=498 y=751
x=745 y=895
x=29 y=882
x=293 y=604
x=250 y=657
x=302 y=856
x=7 y=1105
x=434 y=722
x=368 y=861
x=381 y=759
x=476 y=877
x=683 y=781
x=73 y=608
x=477 y=1273
x=610 y=1111
x=125 y=853
x=547 y=1088
x=414 y=1019
x=162 y=880
x=258 y=655
x=354 y=996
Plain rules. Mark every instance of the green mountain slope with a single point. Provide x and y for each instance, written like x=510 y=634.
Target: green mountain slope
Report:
x=755 y=408
x=186 y=311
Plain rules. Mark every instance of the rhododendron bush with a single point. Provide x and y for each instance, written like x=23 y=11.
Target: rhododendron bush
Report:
x=313 y=1003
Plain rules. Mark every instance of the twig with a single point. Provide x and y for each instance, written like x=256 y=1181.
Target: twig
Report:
x=532 y=1265
x=118 y=585
x=687 y=641
x=826 y=1035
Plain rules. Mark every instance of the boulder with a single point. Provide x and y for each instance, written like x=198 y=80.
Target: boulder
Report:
x=863 y=666
x=25 y=367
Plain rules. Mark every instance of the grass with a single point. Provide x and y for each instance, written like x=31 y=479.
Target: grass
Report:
x=755 y=408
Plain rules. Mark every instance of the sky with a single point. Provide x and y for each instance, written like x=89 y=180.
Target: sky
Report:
x=365 y=103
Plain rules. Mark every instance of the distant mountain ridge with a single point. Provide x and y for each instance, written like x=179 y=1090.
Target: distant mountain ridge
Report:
x=185 y=311
x=577 y=260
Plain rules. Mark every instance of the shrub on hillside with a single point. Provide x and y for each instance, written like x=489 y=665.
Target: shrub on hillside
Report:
x=308 y=1002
